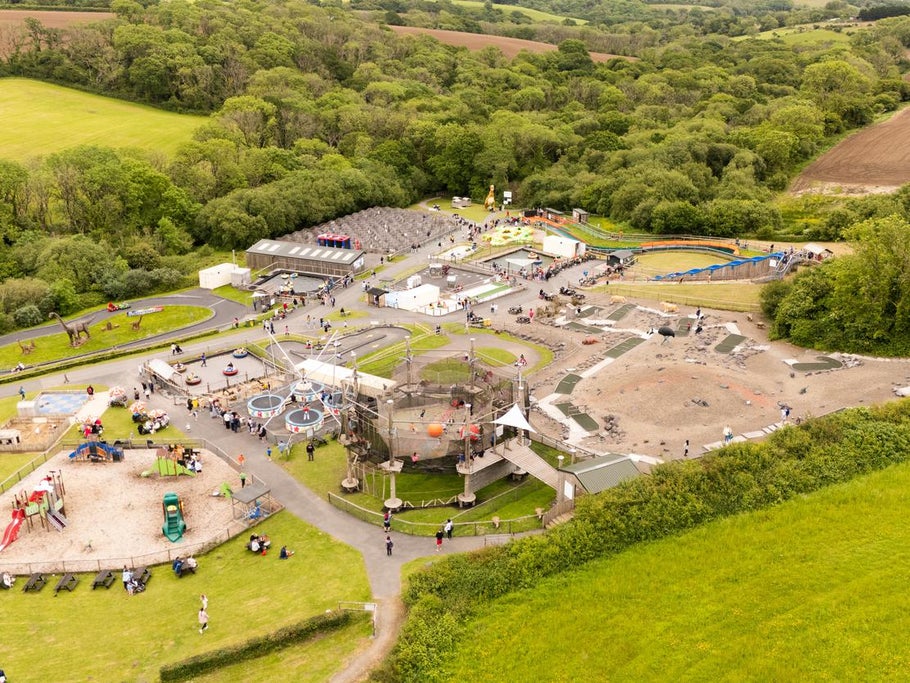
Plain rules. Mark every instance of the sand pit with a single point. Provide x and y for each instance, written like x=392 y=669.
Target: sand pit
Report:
x=119 y=512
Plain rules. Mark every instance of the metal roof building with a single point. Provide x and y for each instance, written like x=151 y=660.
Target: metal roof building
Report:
x=600 y=473
x=311 y=259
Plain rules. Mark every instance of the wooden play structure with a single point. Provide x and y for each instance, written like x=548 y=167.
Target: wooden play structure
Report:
x=45 y=502
x=97 y=451
x=172 y=461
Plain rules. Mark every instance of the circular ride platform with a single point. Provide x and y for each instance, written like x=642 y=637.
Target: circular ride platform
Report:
x=306 y=391
x=265 y=405
x=299 y=420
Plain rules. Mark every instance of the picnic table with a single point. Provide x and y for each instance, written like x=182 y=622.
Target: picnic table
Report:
x=142 y=575
x=67 y=582
x=103 y=578
x=35 y=583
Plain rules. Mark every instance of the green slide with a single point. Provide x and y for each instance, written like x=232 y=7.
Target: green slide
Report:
x=173 y=526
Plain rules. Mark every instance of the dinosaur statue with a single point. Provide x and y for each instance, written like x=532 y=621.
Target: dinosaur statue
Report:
x=490 y=202
x=74 y=330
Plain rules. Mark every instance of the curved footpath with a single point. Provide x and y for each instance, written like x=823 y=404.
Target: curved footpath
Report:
x=384 y=572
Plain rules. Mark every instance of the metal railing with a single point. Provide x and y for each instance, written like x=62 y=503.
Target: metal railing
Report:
x=478 y=528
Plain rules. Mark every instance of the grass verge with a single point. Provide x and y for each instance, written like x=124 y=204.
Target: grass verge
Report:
x=786 y=594
x=249 y=595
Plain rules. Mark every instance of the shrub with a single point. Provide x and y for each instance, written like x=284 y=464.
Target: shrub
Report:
x=28 y=316
x=254 y=647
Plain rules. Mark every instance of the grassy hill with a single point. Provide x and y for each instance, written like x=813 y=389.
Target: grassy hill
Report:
x=809 y=590
x=38 y=118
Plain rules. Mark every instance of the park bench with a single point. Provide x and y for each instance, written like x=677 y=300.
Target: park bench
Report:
x=103 y=578
x=142 y=575
x=67 y=582
x=184 y=570
x=35 y=583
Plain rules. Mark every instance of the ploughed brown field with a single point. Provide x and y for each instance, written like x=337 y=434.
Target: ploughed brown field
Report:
x=873 y=160
x=478 y=41
x=12 y=21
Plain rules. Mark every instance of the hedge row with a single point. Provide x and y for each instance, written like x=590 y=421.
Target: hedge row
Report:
x=676 y=497
x=254 y=647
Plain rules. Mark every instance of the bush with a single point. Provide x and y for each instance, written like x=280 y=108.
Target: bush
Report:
x=28 y=316
x=254 y=647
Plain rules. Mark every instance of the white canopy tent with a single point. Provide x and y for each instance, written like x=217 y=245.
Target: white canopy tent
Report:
x=514 y=418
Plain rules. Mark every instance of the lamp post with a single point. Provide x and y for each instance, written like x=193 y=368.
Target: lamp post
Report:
x=392 y=466
x=560 y=479
x=467 y=497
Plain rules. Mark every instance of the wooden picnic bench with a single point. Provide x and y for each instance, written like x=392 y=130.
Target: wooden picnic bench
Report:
x=142 y=575
x=103 y=578
x=67 y=582
x=35 y=583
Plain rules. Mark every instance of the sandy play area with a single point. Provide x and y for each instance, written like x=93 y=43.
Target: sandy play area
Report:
x=652 y=398
x=119 y=512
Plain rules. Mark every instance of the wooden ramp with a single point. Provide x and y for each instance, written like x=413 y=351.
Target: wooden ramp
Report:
x=526 y=459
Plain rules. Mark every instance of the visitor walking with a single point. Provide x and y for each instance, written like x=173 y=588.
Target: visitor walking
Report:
x=439 y=535
x=388 y=546
x=203 y=620
x=449 y=527
x=205 y=601
x=387 y=521
x=203 y=359
x=242 y=479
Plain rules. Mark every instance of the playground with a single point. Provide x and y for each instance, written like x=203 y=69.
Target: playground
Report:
x=112 y=511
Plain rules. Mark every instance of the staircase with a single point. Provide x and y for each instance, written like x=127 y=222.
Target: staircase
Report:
x=56 y=520
x=526 y=459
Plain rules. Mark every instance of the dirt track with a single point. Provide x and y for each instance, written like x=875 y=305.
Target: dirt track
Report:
x=873 y=160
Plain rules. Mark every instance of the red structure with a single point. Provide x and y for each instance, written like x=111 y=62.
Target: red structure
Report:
x=328 y=239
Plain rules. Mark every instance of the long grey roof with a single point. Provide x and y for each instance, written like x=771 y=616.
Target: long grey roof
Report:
x=602 y=472
x=276 y=248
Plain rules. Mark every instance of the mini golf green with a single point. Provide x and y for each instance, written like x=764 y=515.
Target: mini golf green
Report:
x=624 y=346
x=824 y=363
x=567 y=384
x=730 y=343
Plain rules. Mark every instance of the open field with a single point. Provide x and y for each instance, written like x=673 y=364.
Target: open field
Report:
x=478 y=41
x=873 y=160
x=55 y=344
x=532 y=14
x=730 y=296
x=38 y=118
x=129 y=638
x=804 y=591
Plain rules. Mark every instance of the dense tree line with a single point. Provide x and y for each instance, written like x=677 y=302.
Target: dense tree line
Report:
x=315 y=114
x=858 y=303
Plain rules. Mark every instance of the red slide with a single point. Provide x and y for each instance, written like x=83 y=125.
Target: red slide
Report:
x=12 y=531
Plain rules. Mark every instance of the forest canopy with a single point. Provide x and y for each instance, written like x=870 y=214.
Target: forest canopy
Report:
x=315 y=113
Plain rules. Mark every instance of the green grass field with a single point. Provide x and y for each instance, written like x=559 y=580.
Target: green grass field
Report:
x=733 y=296
x=806 y=35
x=664 y=262
x=811 y=590
x=534 y=15
x=55 y=346
x=38 y=118
x=106 y=635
